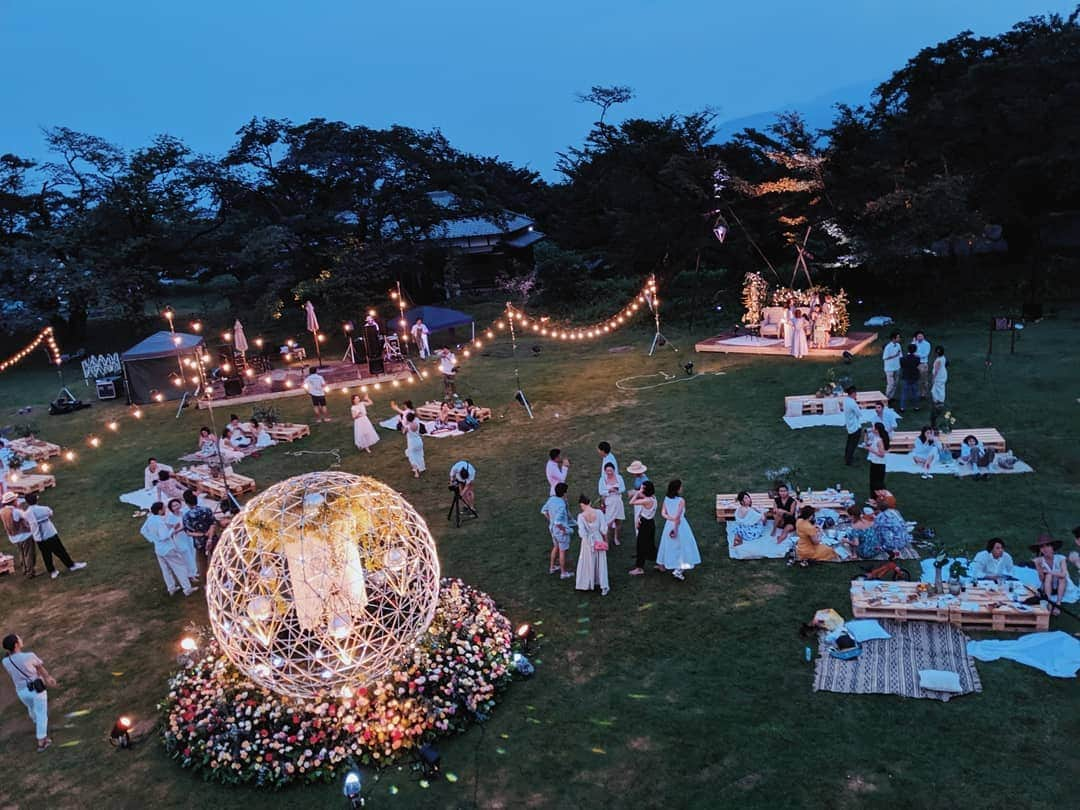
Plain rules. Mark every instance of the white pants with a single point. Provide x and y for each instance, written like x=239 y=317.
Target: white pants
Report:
x=37 y=704
x=425 y=350
x=187 y=549
x=174 y=569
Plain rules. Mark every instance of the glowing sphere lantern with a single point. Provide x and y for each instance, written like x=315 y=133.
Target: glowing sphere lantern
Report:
x=322 y=583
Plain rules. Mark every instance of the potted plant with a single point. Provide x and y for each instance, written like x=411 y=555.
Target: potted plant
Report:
x=956 y=570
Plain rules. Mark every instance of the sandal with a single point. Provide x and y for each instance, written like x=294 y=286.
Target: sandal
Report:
x=637 y=572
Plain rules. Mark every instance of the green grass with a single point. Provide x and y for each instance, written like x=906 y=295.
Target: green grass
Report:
x=661 y=695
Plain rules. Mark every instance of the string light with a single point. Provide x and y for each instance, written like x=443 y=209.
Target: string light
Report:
x=44 y=336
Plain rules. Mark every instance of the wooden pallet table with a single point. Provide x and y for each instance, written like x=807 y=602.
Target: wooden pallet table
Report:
x=903 y=441
x=825 y=499
x=975 y=609
x=28 y=482
x=200 y=480
x=429 y=411
x=287 y=431
x=811 y=405
x=34 y=449
x=7 y=564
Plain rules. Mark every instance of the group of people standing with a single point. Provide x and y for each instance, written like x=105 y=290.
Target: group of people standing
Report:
x=808 y=327
x=920 y=372
x=599 y=525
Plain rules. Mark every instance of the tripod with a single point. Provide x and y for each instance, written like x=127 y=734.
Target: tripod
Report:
x=519 y=395
x=658 y=338
x=457 y=505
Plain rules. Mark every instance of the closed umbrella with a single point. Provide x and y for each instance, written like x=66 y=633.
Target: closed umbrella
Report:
x=313 y=327
x=239 y=338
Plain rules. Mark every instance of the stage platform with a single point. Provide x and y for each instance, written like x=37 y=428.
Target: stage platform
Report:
x=854 y=342
x=337 y=374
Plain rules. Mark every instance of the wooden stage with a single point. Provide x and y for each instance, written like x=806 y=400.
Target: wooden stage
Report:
x=854 y=342
x=337 y=375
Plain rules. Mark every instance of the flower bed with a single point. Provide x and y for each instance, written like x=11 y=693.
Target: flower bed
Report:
x=219 y=723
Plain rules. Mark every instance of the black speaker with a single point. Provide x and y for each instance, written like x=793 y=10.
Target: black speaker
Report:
x=372 y=341
x=375 y=365
x=234 y=386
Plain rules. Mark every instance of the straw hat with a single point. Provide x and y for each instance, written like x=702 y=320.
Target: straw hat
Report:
x=636 y=467
x=10 y=497
x=1045 y=540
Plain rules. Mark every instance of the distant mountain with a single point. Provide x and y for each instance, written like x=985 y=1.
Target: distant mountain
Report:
x=818 y=112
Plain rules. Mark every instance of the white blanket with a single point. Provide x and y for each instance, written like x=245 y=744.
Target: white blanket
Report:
x=1025 y=575
x=822 y=420
x=392 y=423
x=144 y=498
x=905 y=463
x=765 y=547
x=1055 y=653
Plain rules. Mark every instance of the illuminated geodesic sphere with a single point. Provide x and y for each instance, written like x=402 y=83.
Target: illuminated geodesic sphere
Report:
x=322 y=582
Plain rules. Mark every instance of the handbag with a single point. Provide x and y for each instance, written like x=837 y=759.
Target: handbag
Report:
x=600 y=545
x=32 y=684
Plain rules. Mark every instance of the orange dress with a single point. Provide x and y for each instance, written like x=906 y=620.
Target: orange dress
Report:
x=806 y=548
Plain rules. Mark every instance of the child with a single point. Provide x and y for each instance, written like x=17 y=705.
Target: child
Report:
x=169 y=556
x=560 y=526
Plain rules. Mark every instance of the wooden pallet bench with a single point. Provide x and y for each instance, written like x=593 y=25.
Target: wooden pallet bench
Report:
x=34 y=449
x=28 y=482
x=726 y=503
x=7 y=564
x=903 y=441
x=287 y=431
x=200 y=480
x=429 y=412
x=976 y=608
x=811 y=405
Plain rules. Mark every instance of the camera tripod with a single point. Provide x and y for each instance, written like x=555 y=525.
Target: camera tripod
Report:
x=456 y=507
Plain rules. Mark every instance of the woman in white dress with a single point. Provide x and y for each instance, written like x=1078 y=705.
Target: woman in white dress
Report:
x=263 y=438
x=799 y=347
x=611 y=488
x=364 y=434
x=414 y=445
x=785 y=324
x=174 y=519
x=678 y=550
x=592 y=561
x=940 y=376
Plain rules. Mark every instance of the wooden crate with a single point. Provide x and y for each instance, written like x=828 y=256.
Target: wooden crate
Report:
x=903 y=441
x=27 y=482
x=287 y=431
x=34 y=449
x=7 y=563
x=726 y=503
x=986 y=609
x=811 y=405
x=429 y=412
x=200 y=480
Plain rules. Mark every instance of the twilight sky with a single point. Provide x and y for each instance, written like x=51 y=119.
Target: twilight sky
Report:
x=497 y=78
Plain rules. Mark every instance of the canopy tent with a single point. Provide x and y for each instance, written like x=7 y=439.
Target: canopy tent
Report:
x=150 y=364
x=439 y=318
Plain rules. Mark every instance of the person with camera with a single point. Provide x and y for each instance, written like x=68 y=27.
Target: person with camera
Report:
x=462 y=478
x=31 y=681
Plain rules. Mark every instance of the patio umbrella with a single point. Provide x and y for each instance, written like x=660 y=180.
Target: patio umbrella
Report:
x=313 y=327
x=239 y=338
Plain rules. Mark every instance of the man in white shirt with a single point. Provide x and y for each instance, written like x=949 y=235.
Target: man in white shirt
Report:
x=852 y=424
x=557 y=470
x=174 y=567
x=463 y=476
x=886 y=416
x=606 y=456
x=150 y=474
x=315 y=385
x=448 y=369
x=18 y=531
x=890 y=357
x=922 y=348
x=47 y=538
x=420 y=334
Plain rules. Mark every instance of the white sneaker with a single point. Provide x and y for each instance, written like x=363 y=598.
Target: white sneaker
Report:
x=605 y=591
x=552 y=569
x=54 y=574
x=79 y=566
x=678 y=574
x=567 y=575
x=189 y=593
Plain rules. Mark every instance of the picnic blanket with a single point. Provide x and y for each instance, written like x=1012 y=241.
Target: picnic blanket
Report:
x=890 y=666
x=905 y=463
x=766 y=547
x=1022 y=573
x=1055 y=653
x=144 y=498
x=824 y=420
x=391 y=424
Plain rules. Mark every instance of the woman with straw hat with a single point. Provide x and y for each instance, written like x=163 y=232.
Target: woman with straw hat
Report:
x=1053 y=575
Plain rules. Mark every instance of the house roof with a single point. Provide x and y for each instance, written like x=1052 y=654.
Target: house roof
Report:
x=160 y=344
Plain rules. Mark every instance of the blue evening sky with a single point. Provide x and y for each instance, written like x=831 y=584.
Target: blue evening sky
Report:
x=497 y=78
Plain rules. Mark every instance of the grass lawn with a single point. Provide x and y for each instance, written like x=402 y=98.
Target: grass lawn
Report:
x=663 y=694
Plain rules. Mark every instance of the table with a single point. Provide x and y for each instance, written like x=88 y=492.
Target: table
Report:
x=34 y=449
x=200 y=479
x=811 y=404
x=28 y=482
x=986 y=608
x=819 y=499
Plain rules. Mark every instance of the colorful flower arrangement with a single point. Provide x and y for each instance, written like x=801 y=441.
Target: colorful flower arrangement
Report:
x=218 y=722
x=754 y=295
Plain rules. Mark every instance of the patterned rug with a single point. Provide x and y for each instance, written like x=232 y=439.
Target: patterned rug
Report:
x=891 y=666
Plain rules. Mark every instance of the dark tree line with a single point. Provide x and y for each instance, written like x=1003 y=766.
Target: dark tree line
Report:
x=972 y=144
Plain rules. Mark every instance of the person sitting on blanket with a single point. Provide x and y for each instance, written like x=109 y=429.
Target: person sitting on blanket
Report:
x=238 y=435
x=889 y=524
x=975 y=455
x=994 y=563
x=230 y=451
x=749 y=522
x=784 y=512
x=1052 y=571
x=262 y=435
x=862 y=539
x=168 y=488
x=885 y=414
x=810 y=547
x=925 y=451
x=443 y=420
